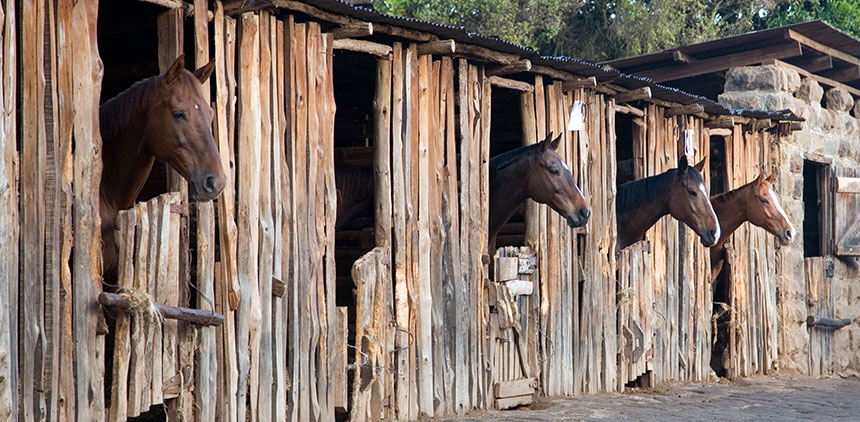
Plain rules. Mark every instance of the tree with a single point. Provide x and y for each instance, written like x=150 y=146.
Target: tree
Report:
x=842 y=14
x=530 y=23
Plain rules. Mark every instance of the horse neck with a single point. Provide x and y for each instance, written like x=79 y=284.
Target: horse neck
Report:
x=731 y=211
x=125 y=159
x=507 y=192
x=633 y=224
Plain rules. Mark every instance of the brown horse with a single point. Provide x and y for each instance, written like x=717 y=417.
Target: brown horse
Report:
x=162 y=117
x=536 y=172
x=680 y=192
x=755 y=202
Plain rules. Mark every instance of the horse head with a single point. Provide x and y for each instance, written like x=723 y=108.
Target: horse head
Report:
x=764 y=210
x=688 y=201
x=179 y=130
x=550 y=182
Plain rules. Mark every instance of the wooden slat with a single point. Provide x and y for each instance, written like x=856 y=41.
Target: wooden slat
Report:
x=338 y=361
x=122 y=353
x=781 y=51
x=249 y=150
x=89 y=351
x=821 y=48
x=847 y=184
x=363 y=46
x=282 y=209
x=226 y=289
x=329 y=204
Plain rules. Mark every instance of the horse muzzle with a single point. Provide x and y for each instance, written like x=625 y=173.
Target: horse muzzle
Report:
x=579 y=218
x=207 y=188
x=709 y=237
x=786 y=237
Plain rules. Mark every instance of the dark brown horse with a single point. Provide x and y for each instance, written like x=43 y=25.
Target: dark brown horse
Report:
x=164 y=117
x=755 y=202
x=536 y=172
x=680 y=192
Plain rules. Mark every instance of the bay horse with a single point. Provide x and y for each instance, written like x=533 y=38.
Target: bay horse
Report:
x=535 y=171
x=755 y=202
x=680 y=192
x=164 y=117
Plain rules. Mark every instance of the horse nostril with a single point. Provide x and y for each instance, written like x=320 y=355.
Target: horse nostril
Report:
x=210 y=184
x=788 y=234
x=584 y=213
x=713 y=233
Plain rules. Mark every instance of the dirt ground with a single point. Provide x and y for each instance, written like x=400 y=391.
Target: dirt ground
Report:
x=752 y=399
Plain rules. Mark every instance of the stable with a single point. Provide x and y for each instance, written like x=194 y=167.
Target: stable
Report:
x=378 y=306
x=785 y=308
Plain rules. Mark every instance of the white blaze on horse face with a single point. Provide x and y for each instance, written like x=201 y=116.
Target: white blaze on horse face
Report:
x=563 y=164
x=779 y=208
x=703 y=190
x=196 y=107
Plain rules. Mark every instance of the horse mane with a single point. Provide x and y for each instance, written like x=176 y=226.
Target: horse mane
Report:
x=633 y=194
x=116 y=113
x=506 y=158
x=729 y=196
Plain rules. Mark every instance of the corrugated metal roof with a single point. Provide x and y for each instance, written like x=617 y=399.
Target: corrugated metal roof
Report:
x=817 y=30
x=572 y=65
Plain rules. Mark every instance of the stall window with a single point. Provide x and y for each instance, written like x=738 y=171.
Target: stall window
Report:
x=817 y=209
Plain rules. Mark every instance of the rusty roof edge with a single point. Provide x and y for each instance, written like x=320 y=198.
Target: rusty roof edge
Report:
x=568 y=64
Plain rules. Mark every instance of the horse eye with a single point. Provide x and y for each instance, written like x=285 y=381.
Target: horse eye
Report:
x=692 y=192
x=765 y=201
x=180 y=115
x=553 y=170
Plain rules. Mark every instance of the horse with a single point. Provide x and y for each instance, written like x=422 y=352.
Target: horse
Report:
x=680 y=192
x=164 y=117
x=755 y=202
x=537 y=172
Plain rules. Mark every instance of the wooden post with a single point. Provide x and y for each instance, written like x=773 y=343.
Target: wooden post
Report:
x=248 y=313
x=382 y=151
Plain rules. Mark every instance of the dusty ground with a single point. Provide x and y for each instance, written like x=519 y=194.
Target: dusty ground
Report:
x=752 y=399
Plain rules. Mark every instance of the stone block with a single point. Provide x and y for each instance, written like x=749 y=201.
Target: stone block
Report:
x=809 y=91
x=797 y=190
x=838 y=99
x=762 y=78
x=856 y=112
x=795 y=163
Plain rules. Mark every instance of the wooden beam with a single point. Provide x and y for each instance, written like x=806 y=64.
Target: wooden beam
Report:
x=511 y=84
x=485 y=54
x=682 y=57
x=443 y=47
x=685 y=110
x=814 y=64
x=847 y=74
x=523 y=65
x=119 y=303
x=636 y=94
x=720 y=131
x=353 y=30
x=820 y=79
x=847 y=184
x=791 y=34
x=552 y=73
x=589 y=82
x=170 y=4
x=715 y=64
x=721 y=122
x=237 y=7
x=515 y=388
x=363 y=46
x=625 y=109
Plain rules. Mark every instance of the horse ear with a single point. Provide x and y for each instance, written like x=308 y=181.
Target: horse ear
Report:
x=682 y=164
x=555 y=142
x=545 y=144
x=771 y=177
x=204 y=72
x=175 y=69
x=701 y=165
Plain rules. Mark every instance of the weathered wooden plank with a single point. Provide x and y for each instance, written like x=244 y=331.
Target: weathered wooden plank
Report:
x=463 y=295
x=329 y=204
x=89 y=353
x=226 y=290
x=424 y=321
x=122 y=353
x=248 y=314
x=261 y=399
x=338 y=362
x=410 y=165
x=32 y=184
x=403 y=379
x=9 y=225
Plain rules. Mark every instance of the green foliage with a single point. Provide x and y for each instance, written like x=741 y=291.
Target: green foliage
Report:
x=842 y=14
x=525 y=22
x=600 y=30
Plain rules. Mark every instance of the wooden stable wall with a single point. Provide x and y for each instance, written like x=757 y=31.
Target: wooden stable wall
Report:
x=752 y=259
x=51 y=357
x=664 y=307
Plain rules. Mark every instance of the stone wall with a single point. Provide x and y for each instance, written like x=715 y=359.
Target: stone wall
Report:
x=832 y=131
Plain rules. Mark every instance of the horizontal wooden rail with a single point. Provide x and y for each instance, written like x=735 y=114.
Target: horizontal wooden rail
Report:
x=813 y=321
x=118 y=303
